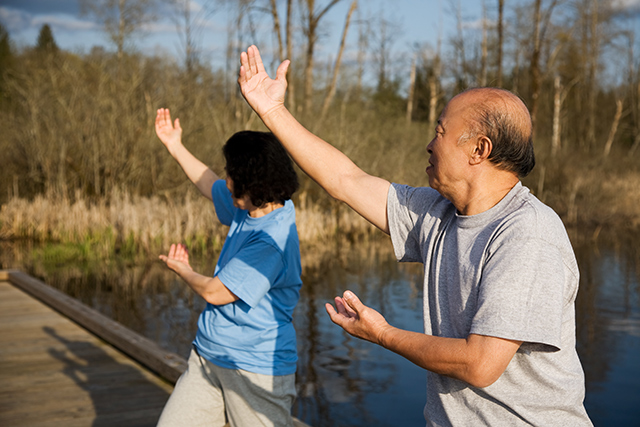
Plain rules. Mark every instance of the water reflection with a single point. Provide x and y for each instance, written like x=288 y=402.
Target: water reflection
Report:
x=348 y=382
x=608 y=327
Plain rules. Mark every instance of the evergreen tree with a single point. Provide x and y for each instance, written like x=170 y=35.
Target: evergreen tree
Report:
x=6 y=55
x=46 y=42
x=6 y=61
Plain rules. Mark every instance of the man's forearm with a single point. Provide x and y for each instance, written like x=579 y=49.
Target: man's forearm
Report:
x=478 y=360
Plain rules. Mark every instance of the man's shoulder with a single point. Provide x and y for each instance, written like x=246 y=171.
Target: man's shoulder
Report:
x=528 y=208
x=528 y=217
x=416 y=199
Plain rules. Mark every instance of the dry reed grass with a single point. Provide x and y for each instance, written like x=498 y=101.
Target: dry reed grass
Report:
x=151 y=224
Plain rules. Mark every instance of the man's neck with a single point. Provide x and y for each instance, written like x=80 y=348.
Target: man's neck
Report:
x=482 y=195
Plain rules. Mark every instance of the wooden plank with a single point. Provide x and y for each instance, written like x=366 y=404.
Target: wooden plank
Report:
x=166 y=364
x=66 y=376
x=128 y=407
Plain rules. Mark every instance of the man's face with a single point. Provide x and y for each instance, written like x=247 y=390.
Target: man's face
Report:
x=449 y=161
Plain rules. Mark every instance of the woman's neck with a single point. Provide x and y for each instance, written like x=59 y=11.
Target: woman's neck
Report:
x=265 y=209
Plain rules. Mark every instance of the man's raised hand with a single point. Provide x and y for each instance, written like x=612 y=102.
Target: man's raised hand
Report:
x=263 y=93
x=169 y=133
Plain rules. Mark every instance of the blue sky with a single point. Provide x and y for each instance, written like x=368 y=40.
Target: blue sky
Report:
x=413 y=22
x=420 y=21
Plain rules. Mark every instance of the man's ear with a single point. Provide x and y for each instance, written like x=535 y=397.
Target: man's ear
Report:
x=481 y=150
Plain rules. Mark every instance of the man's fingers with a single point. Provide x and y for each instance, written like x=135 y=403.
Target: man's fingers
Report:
x=245 y=69
x=259 y=66
x=330 y=310
x=281 y=72
x=353 y=305
x=336 y=317
x=340 y=306
x=253 y=67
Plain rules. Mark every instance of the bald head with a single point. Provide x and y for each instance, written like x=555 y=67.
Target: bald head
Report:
x=503 y=118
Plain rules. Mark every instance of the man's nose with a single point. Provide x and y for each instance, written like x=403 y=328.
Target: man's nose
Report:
x=429 y=146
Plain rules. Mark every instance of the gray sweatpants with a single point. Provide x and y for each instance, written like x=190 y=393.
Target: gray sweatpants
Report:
x=208 y=395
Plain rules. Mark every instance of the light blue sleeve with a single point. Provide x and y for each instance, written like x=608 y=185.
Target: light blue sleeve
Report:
x=252 y=272
x=222 y=201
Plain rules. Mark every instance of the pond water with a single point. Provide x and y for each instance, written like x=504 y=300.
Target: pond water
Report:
x=344 y=381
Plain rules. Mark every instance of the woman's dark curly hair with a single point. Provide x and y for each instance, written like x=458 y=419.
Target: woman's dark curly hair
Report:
x=259 y=167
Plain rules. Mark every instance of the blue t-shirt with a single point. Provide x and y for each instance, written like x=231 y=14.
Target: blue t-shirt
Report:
x=260 y=264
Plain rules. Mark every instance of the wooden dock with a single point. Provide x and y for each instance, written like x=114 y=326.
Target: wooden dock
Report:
x=64 y=364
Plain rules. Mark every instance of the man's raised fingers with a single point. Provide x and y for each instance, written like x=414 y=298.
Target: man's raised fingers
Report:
x=245 y=69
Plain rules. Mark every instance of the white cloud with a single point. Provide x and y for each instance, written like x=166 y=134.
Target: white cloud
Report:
x=14 y=20
x=18 y=21
x=625 y=5
x=63 y=22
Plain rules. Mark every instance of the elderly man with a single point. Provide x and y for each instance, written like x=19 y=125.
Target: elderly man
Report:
x=500 y=276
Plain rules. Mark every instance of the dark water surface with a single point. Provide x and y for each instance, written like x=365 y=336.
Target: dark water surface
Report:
x=343 y=381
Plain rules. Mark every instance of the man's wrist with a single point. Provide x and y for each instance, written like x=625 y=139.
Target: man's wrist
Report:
x=273 y=114
x=384 y=335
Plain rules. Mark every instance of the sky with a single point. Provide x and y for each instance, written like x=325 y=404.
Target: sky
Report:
x=413 y=22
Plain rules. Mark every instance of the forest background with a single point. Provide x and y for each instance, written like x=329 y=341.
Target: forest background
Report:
x=81 y=165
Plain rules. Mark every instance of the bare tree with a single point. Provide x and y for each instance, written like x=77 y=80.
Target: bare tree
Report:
x=121 y=18
x=383 y=40
x=363 y=47
x=593 y=60
x=484 y=47
x=459 y=47
x=559 y=96
x=412 y=88
x=288 y=41
x=312 y=20
x=189 y=20
x=614 y=129
x=541 y=20
x=433 y=87
x=276 y=29
x=334 y=80
x=500 y=31
x=534 y=68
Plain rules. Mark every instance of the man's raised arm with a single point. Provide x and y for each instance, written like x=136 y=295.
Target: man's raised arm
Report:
x=335 y=172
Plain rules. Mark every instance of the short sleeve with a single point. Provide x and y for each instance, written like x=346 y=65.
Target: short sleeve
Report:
x=521 y=293
x=251 y=273
x=407 y=208
x=222 y=201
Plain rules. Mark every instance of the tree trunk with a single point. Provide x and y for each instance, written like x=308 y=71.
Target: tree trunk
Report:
x=557 y=105
x=334 y=80
x=433 y=88
x=484 y=48
x=535 y=65
x=313 y=20
x=500 y=42
x=276 y=29
x=291 y=86
x=614 y=129
x=121 y=29
x=412 y=87
x=593 y=71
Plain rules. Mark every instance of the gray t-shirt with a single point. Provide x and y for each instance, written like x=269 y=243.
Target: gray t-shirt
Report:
x=509 y=272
